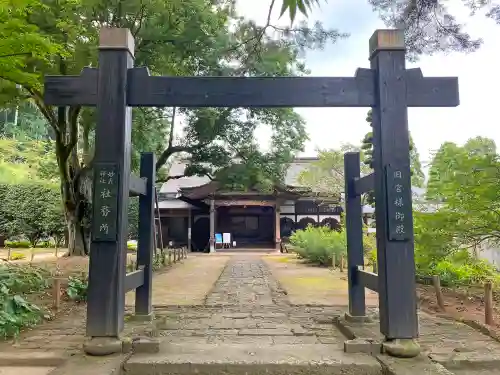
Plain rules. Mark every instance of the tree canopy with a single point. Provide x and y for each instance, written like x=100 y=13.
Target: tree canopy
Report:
x=195 y=37
x=430 y=26
x=465 y=181
x=325 y=177
x=417 y=175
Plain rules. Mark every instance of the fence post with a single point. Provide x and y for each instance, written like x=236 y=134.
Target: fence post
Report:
x=436 y=281
x=488 y=303
x=146 y=240
x=354 y=231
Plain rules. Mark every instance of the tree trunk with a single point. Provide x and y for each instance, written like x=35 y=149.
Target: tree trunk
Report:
x=77 y=244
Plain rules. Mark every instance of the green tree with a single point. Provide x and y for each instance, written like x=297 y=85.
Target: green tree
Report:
x=429 y=26
x=325 y=177
x=192 y=37
x=22 y=161
x=292 y=6
x=417 y=175
x=446 y=164
x=23 y=121
x=466 y=183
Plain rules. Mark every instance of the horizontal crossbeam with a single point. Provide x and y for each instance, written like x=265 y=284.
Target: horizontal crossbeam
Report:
x=72 y=90
x=134 y=280
x=364 y=184
x=431 y=91
x=367 y=279
x=150 y=91
x=157 y=91
x=137 y=186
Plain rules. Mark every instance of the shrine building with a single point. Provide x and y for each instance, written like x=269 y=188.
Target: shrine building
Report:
x=194 y=210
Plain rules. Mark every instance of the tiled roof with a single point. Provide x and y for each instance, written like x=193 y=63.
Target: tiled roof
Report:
x=177 y=169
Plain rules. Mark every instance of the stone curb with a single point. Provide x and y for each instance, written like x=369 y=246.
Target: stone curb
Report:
x=141 y=345
x=355 y=344
x=412 y=366
x=31 y=358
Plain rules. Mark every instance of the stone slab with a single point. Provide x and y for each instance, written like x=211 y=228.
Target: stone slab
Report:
x=467 y=360
x=22 y=370
x=31 y=358
x=81 y=364
x=411 y=366
x=221 y=359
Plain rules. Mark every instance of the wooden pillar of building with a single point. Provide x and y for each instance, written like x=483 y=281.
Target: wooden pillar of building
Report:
x=212 y=225
x=277 y=226
x=190 y=219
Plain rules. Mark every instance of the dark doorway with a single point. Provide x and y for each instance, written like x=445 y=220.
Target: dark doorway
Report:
x=201 y=234
x=249 y=226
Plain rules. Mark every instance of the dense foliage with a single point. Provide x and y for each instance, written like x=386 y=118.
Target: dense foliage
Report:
x=319 y=244
x=195 y=37
x=430 y=26
x=17 y=312
x=31 y=210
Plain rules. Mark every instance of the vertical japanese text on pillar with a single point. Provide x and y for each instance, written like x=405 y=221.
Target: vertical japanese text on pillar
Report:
x=105 y=202
x=399 y=202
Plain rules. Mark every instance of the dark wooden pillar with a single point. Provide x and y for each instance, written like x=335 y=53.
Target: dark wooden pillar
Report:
x=106 y=296
x=212 y=225
x=277 y=225
x=189 y=228
x=354 y=230
x=146 y=243
x=395 y=253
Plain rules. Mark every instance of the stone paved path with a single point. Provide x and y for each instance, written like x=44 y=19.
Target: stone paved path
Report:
x=245 y=281
x=231 y=314
x=256 y=313
x=247 y=326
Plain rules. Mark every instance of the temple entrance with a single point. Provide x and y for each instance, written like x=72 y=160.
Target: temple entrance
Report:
x=248 y=226
x=201 y=234
x=387 y=86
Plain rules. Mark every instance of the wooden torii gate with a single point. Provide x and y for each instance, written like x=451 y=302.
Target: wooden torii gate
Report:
x=116 y=86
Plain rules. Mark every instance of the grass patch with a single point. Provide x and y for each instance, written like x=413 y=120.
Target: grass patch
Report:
x=282 y=258
x=319 y=283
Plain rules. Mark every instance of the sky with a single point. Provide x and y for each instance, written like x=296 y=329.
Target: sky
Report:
x=429 y=127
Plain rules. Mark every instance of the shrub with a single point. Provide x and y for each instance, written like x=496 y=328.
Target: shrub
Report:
x=23 y=244
x=32 y=211
x=18 y=313
x=132 y=245
x=318 y=244
x=473 y=272
x=17 y=256
x=77 y=288
x=133 y=218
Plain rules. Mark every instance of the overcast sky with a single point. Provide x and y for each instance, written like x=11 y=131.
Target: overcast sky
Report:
x=478 y=80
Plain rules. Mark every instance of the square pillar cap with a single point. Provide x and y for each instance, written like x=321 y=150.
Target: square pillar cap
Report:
x=117 y=39
x=388 y=39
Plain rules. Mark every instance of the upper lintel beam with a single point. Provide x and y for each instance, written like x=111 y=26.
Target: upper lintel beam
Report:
x=263 y=92
x=155 y=91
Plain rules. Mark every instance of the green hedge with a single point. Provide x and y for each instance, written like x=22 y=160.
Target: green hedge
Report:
x=31 y=212
x=25 y=244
